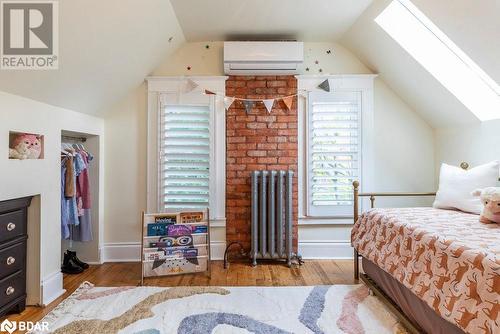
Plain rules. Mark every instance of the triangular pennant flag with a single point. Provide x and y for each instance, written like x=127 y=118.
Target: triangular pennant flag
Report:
x=209 y=92
x=248 y=105
x=288 y=101
x=189 y=86
x=325 y=85
x=269 y=104
x=228 y=100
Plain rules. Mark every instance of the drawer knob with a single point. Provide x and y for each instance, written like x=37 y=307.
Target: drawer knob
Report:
x=10 y=290
x=11 y=260
x=11 y=226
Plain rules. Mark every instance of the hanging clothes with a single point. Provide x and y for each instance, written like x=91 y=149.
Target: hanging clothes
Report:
x=83 y=232
x=75 y=197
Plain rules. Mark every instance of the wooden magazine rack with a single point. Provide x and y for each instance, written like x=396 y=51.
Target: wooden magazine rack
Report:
x=175 y=243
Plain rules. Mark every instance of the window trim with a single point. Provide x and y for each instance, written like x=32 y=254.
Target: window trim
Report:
x=341 y=82
x=161 y=87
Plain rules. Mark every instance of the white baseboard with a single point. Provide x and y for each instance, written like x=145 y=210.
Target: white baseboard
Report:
x=131 y=251
x=52 y=288
x=325 y=249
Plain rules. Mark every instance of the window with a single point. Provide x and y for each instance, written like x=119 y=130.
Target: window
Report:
x=334 y=152
x=409 y=27
x=185 y=157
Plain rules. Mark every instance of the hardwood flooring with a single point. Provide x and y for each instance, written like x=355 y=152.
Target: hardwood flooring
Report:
x=318 y=272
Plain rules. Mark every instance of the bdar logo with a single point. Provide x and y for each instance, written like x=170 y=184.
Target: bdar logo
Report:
x=8 y=326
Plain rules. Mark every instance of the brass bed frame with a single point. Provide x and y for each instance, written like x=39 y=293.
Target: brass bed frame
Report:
x=412 y=327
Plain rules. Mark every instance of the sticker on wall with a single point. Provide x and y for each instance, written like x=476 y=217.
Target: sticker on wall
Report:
x=25 y=146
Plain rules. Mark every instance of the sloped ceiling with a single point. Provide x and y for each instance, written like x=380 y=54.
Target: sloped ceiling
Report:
x=106 y=49
x=473 y=27
x=310 y=21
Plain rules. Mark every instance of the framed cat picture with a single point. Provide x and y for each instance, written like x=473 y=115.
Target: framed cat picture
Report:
x=24 y=146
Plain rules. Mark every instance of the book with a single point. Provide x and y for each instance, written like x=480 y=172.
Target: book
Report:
x=184 y=240
x=157 y=229
x=166 y=220
x=191 y=217
x=180 y=230
x=173 y=253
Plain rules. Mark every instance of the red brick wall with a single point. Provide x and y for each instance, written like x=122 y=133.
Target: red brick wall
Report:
x=257 y=141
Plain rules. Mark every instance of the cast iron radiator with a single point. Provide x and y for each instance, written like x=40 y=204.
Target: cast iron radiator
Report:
x=272 y=216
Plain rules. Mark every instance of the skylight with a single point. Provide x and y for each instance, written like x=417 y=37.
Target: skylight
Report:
x=442 y=58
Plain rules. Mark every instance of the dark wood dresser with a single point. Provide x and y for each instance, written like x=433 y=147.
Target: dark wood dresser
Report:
x=13 y=237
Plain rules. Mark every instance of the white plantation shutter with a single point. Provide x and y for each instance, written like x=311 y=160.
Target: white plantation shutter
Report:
x=185 y=157
x=334 y=152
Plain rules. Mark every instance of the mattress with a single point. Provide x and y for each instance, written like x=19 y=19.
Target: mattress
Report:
x=446 y=258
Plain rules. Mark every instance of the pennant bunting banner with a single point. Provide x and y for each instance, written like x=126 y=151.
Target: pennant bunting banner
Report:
x=248 y=105
x=325 y=85
x=189 y=86
x=288 y=100
x=228 y=101
x=269 y=104
x=209 y=92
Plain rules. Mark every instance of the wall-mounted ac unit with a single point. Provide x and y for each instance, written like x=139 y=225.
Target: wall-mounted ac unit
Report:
x=262 y=58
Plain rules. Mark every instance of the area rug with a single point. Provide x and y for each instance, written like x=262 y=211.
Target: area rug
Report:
x=215 y=310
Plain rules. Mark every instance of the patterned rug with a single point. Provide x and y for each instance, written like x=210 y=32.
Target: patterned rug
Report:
x=215 y=310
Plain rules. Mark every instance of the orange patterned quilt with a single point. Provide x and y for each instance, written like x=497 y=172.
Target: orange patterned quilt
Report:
x=447 y=258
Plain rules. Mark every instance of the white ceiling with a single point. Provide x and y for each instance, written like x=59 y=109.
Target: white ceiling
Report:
x=106 y=49
x=306 y=20
x=409 y=79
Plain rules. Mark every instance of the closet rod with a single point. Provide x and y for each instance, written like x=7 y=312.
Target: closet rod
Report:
x=81 y=139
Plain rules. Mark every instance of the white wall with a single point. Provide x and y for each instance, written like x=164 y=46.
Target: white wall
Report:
x=41 y=177
x=475 y=144
x=126 y=125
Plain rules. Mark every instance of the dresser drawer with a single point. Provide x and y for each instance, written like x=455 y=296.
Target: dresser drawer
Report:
x=12 y=224
x=12 y=259
x=12 y=287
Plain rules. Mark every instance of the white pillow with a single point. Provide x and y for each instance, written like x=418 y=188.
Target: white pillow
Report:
x=456 y=186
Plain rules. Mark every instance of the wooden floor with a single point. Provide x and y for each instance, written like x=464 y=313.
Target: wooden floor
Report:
x=318 y=272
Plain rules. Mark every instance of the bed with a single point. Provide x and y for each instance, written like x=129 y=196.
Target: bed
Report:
x=438 y=269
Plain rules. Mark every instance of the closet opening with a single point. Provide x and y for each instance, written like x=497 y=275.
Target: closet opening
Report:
x=81 y=230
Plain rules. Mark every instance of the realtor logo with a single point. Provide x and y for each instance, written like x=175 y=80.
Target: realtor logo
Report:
x=30 y=38
x=8 y=326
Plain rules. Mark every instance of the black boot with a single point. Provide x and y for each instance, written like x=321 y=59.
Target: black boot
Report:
x=69 y=267
x=76 y=260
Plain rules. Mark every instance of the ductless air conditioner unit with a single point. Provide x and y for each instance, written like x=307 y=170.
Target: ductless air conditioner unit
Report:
x=262 y=58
